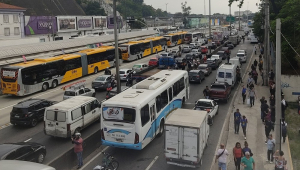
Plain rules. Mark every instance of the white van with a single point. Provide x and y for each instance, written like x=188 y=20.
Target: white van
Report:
x=236 y=61
x=70 y=116
x=227 y=73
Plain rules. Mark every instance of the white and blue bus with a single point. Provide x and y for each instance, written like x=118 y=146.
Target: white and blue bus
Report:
x=134 y=117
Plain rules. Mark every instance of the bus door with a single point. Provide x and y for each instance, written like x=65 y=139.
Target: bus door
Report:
x=84 y=64
x=154 y=123
x=187 y=88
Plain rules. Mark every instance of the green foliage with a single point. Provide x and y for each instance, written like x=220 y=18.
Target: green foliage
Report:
x=240 y=4
x=138 y=24
x=186 y=11
x=91 y=7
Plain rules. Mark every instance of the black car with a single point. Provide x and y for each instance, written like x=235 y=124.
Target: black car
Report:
x=114 y=92
x=189 y=57
x=222 y=54
x=24 y=151
x=29 y=112
x=212 y=63
x=196 y=76
x=230 y=46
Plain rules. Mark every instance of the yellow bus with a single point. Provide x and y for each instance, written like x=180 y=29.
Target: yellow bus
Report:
x=158 y=44
x=174 y=39
x=44 y=73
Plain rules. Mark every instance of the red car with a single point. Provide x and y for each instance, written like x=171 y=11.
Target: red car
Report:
x=153 y=61
x=204 y=49
x=220 y=91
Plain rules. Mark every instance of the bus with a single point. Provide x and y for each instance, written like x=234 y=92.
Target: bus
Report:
x=41 y=74
x=158 y=44
x=192 y=37
x=134 y=117
x=174 y=39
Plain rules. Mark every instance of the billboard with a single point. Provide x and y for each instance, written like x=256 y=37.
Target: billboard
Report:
x=40 y=25
x=110 y=22
x=66 y=23
x=84 y=23
x=100 y=22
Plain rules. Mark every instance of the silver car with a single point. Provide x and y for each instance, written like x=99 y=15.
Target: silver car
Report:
x=196 y=52
x=102 y=82
x=205 y=69
x=139 y=67
x=82 y=91
x=124 y=73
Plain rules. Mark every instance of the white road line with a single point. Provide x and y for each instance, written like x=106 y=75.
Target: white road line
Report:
x=91 y=160
x=151 y=164
x=28 y=140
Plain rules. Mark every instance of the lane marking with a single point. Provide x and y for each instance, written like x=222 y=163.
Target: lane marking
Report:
x=151 y=164
x=28 y=140
x=91 y=160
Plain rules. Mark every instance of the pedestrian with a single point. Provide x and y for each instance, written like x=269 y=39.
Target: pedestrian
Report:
x=280 y=161
x=271 y=146
x=206 y=92
x=271 y=76
x=255 y=63
x=283 y=130
x=255 y=76
x=284 y=105
x=255 y=50
x=228 y=58
x=268 y=128
x=237 y=154
x=250 y=82
x=268 y=115
x=221 y=156
x=244 y=91
x=272 y=88
x=262 y=76
x=246 y=149
x=272 y=107
x=244 y=123
x=237 y=120
x=252 y=96
x=252 y=67
x=260 y=57
x=248 y=162
x=262 y=102
x=265 y=109
x=262 y=51
x=77 y=141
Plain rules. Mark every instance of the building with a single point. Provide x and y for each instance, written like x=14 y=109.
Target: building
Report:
x=11 y=21
x=247 y=12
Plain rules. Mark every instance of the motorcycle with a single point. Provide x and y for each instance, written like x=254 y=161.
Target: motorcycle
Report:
x=129 y=82
x=108 y=163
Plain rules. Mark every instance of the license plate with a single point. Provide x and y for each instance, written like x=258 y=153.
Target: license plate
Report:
x=118 y=136
x=17 y=116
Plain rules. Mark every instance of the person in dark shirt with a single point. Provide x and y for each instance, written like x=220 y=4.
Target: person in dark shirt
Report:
x=206 y=92
x=265 y=109
x=237 y=121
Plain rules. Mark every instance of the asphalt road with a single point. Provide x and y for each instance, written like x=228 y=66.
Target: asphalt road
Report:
x=152 y=157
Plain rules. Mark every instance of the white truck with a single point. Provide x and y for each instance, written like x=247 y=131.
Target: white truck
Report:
x=227 y=73
x=186 y=136
x=234 y=39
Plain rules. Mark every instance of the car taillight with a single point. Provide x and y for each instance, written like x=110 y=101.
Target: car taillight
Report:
x=68 y=127
x=18 y=87
x=102 y=134
x=125 y=75
x=197 y=76
x=136 y=138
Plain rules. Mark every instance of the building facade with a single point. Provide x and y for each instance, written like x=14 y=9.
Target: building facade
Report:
x=246 y=12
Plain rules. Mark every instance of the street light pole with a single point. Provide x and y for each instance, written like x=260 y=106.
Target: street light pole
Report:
x=278 y=106
x=239 y=19
x=209 y=26
x=230 y=19
x=167 y=15
x=116 y=47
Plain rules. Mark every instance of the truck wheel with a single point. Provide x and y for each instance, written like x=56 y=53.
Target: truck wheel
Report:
x=161 y=128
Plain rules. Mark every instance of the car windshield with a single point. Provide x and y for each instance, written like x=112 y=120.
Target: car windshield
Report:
x=19 y=110
x=240 y=55
x=119 y=114
x=203 y=104
x=193 y=73
x=121 y=72
x=217 y=87
x=201 y=67
x=100 y=78
x=164 y=55
x=69 y=93
x=214 y=57
x=137 y=66
x=153 y=60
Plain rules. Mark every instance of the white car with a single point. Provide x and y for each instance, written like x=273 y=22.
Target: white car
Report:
x=217 y=58
x=124 y=73
x=211 y=106
x=242 y=51
x=242 y=57
x=139 y=67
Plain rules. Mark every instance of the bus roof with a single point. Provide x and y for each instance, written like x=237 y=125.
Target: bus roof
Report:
x=146 y=90
x=26 y=64
x=154 y=38
x=96 y=50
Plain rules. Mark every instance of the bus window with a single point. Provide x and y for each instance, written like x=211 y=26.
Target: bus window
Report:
x=73 y=64
x=164 y=98
x=145 y=117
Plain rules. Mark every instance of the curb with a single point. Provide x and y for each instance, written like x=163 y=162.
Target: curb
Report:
x=289 y=154
x=224 y=136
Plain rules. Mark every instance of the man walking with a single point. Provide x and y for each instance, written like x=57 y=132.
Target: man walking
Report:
x=206 y=92
x=221 y=156
x=268 y=128
x=283 y=107
x=244 y=91
x=77 y=140
x=265 y=108
x=271 y=146
x=248 y=162
x=252 y=96
x=244 y=123
x=237 y=120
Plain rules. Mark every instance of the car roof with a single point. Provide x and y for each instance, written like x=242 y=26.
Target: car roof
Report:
x=196 y=71
x=203 y=65
x=205 y=100
x=240 y=53
x=71 y=103
x=215 y=55
x=27 y=103
x=221 y=52
x=125 y=69
x=6 y=148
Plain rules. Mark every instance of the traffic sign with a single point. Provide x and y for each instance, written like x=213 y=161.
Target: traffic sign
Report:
x=130 y=19
x=228 y=19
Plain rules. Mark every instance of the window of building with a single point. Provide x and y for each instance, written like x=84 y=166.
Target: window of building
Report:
x=16 y=31
x=58 y=38
x=16 y=18
x=42 y=39
x=6 y=31
x=5 y=18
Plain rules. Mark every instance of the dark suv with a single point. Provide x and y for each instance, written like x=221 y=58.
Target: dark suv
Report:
x=29 y=112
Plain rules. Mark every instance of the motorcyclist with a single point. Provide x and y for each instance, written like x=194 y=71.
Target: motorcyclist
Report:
x=129 y=79
x=107 y=71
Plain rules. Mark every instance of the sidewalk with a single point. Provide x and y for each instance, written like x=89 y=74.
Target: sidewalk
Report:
x=255 y=130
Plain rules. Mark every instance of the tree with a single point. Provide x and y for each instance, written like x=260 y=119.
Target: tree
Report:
x=186 y=10
x=178 y=14
x=240 y=5
x=91 y=7
x=138 y=24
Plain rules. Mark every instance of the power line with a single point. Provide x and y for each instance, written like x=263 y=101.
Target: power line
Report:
x=289 y=44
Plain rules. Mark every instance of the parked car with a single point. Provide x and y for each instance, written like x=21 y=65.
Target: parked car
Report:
x=204 y=49
x=196 y=76
x=124 y=72
x=242 y=57
x=114 y=92
x=220 y=91
x=25 y=151
x=218 y=59
x=210 y=106
x=212 y=63
x=17 y=165
x=230 y=46
x=222 y=54
x=153 y=61
x=102 y=82
x=29 y=112
x=140 y=67
x=205 y=69
x=78 y=91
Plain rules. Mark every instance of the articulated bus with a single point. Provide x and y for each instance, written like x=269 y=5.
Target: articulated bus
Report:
x=134 y=117
x=44 y=73
x=192 y=37
x=174 y=39
x=137 y=49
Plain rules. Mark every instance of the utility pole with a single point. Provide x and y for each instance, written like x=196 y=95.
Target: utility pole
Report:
x=167 y=16
x=116 y=46
x=278 y=115
x=266 y=45
x=239 y=19
x=209 y=26
x=230 y=19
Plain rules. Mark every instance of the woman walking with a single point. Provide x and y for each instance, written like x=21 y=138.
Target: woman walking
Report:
x=280 y=162
x=237 y=153
x=244 y=123
x=246 y=149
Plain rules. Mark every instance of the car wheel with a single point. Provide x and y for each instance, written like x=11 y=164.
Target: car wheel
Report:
x=54 y=83
x=33 y=122
x=96 y=70
x=45 y=87
x=41 y=158
x=161 y=128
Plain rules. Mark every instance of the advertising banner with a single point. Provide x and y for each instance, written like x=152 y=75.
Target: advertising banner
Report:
x=66 y=23
x=100 y=22
x=113 y=113
x=40 y=25
x=84 y=23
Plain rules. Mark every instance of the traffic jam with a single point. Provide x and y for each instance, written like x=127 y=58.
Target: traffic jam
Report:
x=151 y=99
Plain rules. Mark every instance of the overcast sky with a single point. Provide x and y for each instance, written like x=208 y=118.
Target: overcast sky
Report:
x=217 y=6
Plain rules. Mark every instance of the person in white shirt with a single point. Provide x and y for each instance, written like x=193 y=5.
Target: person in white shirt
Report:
x=221 y=156
x=283 y=107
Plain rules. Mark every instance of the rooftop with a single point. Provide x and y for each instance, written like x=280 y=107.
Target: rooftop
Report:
x=12 y=7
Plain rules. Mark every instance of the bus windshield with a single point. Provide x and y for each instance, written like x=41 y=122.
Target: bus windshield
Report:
x=124 y=48
x=119 y=114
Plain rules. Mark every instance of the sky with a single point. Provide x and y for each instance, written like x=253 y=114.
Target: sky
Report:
x=217 y=6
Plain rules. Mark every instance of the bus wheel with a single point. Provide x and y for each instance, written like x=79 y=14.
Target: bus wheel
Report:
x=156 y=52
x=45 y=87
x=161 y=128
x=96 y=70
x=54 y=83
